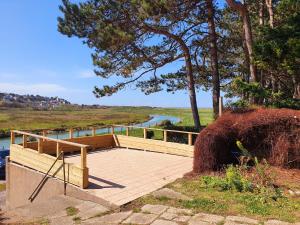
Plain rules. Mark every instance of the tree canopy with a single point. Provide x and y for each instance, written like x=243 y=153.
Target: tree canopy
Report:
x=247 y=51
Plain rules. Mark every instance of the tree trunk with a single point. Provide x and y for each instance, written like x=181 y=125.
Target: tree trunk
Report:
x=271 y=14
x=242 y=9
x=192 y=92
x=296 y=83
x=189 y=70
x=261 y=12
x=246 y=77
x=249 y=42
x=214 y=57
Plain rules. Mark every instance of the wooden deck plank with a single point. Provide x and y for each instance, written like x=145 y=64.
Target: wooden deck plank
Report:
x=122 y=175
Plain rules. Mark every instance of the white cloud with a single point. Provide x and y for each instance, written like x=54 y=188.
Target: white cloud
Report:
x=87 y=74
x=36 y=89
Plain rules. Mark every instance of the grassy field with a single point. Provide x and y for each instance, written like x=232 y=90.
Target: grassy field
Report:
x=29 y=119
x=261 y=205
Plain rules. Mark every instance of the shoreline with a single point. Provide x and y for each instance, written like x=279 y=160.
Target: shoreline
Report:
x=6 y=133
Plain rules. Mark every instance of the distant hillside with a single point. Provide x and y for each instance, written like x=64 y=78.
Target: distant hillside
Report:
x=34 y=101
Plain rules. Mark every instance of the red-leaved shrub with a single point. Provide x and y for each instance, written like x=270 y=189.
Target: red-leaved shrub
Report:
x=272 y=134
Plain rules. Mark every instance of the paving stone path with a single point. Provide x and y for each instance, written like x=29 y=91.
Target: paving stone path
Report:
x=164 y=215
x=88 y=213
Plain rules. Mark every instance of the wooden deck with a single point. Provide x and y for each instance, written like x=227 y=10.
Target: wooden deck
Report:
x=129 y=168
x=121 y=175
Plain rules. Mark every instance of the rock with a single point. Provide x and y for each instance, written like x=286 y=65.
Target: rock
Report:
x=86 y=205
x=291 y=192
x=154 y=209
x=175 y=217
x=198 y=222
x=182 y=219
x=179 y=211
x=169 y=193
x=204 y=217
x=233 y=223
x=66 y=220
x=163 y=222
x=241 y=219
x=297 y=192
x=275 y=222
x=168 y=216
x=92 y=212
x=140 y=218
x=114 y=218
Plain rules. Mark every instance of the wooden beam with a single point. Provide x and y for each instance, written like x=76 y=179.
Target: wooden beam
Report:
x=127 y=131
x=40 y=145
x=12 y=137
x=155 y=145
x=165 y=135
x=44 y=133
x=24 y=141
x=112 y=129
x=83 y=158
x=42 y=162
x=71 y=133
x=190 y=137
x=50 y=139
x=58 y=149
x=94 y=131
x=152 y=128
x=145 y=133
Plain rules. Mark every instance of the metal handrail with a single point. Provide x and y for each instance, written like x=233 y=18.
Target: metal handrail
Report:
x=32 y=196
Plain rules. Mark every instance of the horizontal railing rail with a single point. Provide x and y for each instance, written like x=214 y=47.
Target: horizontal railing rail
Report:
x=49 y=139
x=165 y=132
x=153 y=128
x=111 y=129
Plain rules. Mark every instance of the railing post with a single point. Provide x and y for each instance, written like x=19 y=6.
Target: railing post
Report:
x=58 y=149
x=220 y=106
x=127 y=131
x=12 y=137
x=71 y=132
x=24 y=141
x=40 y=145
x=94 y=131
x=190 y=137
x=44 y=134
x=165 y=135
x=83 y=157
x=112 y=130
x=145 y=133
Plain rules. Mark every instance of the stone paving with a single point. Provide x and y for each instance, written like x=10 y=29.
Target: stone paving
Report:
x=164 y=215
x=89 y=213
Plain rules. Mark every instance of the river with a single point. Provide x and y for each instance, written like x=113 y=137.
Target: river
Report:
x=155 y=119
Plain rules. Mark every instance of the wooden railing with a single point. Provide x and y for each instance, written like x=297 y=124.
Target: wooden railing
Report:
x=41 y=139
x=111 y=129
x=165 y=132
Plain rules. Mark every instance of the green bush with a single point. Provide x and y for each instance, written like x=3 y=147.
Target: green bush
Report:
x=236 y=181
x=233 y=180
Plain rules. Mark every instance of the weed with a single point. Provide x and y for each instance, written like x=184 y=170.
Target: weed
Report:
x=77 y=219
x=101 y=214
x=72 y=211
x=205 y=204
x=163 y=198
x=136 y=210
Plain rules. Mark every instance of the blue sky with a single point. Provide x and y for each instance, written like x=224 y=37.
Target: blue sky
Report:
x=36 y=59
